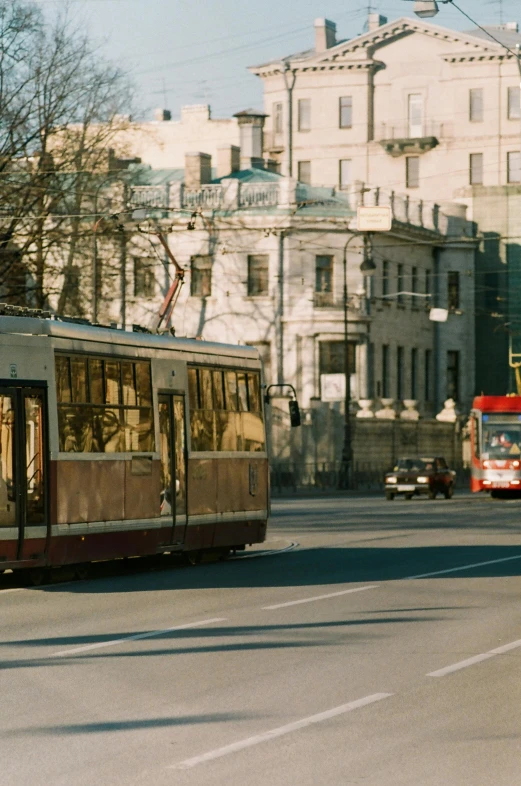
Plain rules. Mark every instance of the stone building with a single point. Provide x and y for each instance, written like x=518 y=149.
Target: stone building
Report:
x=264 y=256
x=426 y=112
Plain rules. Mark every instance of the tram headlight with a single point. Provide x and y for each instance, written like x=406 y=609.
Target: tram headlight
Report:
x=486 y=463
x=422 y=479
x=516 y=464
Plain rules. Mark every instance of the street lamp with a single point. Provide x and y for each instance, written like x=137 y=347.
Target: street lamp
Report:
x=427 y=8
x=367 y=267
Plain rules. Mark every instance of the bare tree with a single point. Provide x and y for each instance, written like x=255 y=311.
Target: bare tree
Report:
x=62 y=106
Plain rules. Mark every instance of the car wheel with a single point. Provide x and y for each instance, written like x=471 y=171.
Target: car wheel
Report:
x=432 y=493
x=449 y=492
x=389 y=496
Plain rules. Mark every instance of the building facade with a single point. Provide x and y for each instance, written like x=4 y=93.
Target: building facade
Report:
x=429 y=113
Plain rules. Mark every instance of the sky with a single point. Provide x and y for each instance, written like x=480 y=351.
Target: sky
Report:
x=197 y=51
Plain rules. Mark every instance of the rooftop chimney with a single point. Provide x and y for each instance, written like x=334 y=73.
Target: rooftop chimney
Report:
x=228 y=160
x=374 y=21
x=325 y=35
x=162 y=114
x=251 y=129
x=198 y=169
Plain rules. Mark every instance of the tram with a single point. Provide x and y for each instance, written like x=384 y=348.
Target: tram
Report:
x=117 y=444
x=495 y=440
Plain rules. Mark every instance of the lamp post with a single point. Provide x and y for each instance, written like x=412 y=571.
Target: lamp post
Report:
x=367 y=268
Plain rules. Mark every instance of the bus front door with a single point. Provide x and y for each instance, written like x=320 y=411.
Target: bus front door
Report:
x=173 y=463
x=23 y=470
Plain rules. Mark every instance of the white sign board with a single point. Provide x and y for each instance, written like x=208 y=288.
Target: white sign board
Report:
x=374 y=219
x=332 y=387
x=438 y=314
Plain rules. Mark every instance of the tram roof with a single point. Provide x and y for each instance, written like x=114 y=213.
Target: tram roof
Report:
x=40 y=326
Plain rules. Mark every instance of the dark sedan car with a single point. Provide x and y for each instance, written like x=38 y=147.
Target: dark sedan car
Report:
x=416 y=476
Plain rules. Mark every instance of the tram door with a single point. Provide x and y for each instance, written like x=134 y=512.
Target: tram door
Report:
x=173 y=462
x=23 y=466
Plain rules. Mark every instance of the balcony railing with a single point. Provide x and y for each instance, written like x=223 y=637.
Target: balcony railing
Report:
x=429 y=128
x=207 y=196
x=258 y=194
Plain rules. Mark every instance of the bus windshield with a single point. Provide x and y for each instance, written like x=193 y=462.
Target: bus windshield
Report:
x=501 y=436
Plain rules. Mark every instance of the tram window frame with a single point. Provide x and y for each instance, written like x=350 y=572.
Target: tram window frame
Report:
x=237 y=422
x=99 y=423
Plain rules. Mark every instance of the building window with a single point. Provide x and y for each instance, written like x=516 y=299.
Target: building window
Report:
x=514 y=103
x=453 y=298
x=399 y=373
x=427 y=375
x=201 y=276
x=304 y=172
x=346 y=112
x=323 y=280
x=414 y=372
x=399 y=286
x=514 y=167
x=415 y=115
x=414 y=286
x=385 y=278
x=412 y=171
x=476 y=169
x=278 y=110
x=331 y=357
x=476 y=105
x=453 y=375
x=345 y=177
x=258 y=267
x=304 y=114
x=385 y=370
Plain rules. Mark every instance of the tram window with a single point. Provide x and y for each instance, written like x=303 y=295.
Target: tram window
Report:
x=104 y=418
x=227 y=417
x=202 y=430
x=192 y=388
x=205 y=388
x=79 y=380
x=243 y=391
x=143 y=384
x=129 y=385
x=63 y=380
x=230 y=378
x=254 y=392
x=112 y=381
x=96 y=381
x=218 y=390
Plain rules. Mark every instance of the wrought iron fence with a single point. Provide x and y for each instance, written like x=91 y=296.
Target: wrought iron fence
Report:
x=293 y=476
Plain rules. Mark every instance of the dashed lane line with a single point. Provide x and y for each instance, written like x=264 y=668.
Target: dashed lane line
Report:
x=461 y=567
x=320 y=597
x=147 y=635
x=257 y=739
x=463 y=664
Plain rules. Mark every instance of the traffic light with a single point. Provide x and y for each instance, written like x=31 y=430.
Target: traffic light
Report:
x=294 y=412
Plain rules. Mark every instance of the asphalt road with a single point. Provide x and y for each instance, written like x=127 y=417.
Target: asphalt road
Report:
x=384 y=650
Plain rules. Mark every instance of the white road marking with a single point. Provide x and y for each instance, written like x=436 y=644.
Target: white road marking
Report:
x=320 y=597
x=149 y=635
x=278 y=732
x=462 y=567
x=476 y=659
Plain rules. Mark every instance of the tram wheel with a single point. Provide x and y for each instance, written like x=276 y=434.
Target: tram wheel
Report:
x=38 y=576
x=194 y=557
x=82 y=571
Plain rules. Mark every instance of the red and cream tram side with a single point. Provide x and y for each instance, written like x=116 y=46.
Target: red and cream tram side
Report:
x=118 y=444
x=495 y=436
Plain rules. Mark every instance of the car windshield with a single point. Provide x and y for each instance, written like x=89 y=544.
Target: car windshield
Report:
x=414 y=465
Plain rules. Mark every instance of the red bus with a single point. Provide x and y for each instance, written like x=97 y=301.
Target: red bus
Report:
x=495 y=436
x=117 y=444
